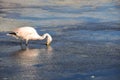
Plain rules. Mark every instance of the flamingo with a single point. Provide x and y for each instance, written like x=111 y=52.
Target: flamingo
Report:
x=29 y=33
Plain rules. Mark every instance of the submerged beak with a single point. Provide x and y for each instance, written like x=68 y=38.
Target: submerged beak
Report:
x=48 y=44
x=49 y=39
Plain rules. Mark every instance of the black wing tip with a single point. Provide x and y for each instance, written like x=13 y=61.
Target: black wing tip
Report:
x=11 y=33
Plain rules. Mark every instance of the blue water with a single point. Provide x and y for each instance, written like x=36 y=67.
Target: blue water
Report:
x=86 y=40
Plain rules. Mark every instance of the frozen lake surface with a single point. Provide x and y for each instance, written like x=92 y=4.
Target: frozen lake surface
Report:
x=86 y=40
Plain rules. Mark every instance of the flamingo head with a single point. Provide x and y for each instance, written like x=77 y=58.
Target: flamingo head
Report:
x=49 y=39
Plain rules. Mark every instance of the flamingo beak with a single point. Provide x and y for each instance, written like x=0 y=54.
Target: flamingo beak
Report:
x=48 y=43
x=49 y=40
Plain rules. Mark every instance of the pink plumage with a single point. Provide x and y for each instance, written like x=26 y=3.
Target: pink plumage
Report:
x=29 y=33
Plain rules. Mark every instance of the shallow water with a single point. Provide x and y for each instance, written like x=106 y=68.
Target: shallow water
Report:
x=85 y=43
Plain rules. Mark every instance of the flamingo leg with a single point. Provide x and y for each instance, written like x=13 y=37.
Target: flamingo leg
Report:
x=21 y=44
x=21 y=41
x=26 y=43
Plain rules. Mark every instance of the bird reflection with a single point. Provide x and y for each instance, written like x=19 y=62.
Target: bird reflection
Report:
x=27 y=53
x=28 y=56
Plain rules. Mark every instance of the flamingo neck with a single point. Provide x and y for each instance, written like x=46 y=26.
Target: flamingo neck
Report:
x=46 y=36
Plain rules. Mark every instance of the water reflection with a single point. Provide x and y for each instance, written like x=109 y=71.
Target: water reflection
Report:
x=25 y=59
x=30 y=56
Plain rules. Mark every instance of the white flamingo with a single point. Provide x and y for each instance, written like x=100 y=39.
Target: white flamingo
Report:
x=29 y=33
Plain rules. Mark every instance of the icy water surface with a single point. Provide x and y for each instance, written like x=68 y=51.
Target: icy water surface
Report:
x=86 y=40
